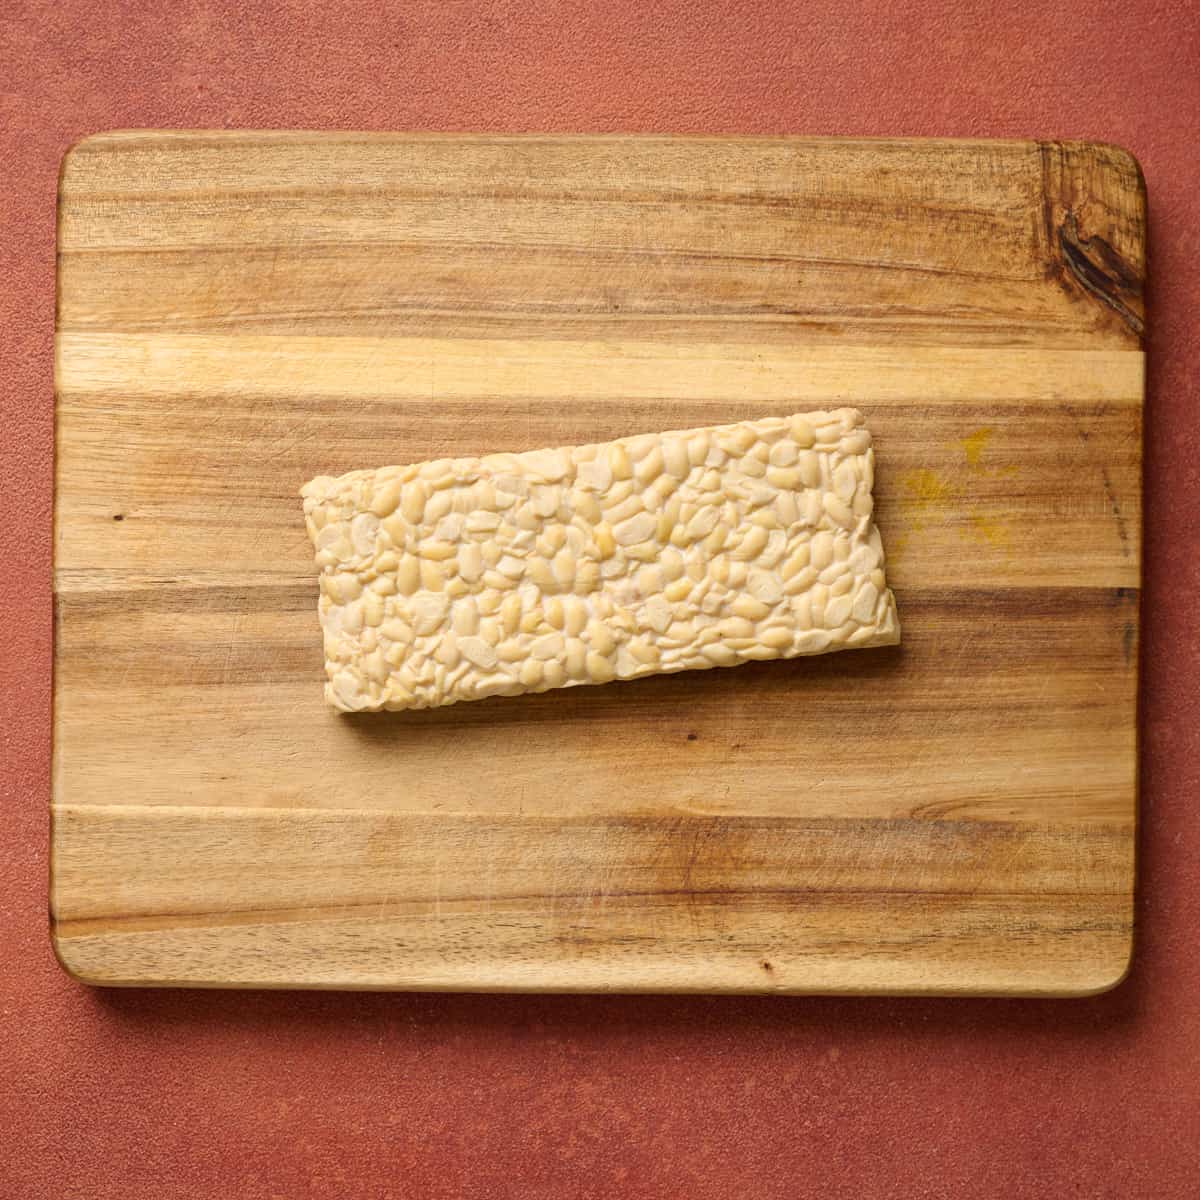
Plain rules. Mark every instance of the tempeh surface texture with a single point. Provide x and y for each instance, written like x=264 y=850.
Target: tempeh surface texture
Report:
x=472 y=577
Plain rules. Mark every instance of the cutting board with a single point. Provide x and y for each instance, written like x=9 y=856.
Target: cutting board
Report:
x=238 y=312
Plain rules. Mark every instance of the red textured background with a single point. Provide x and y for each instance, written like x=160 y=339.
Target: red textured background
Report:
x=164 y=1094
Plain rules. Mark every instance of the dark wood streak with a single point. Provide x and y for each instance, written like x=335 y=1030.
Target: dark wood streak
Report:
x=273 y=598
x=1064 y=626
x=375 y=910
x=188 y=598
x=1122 y=525
x=1102 y=271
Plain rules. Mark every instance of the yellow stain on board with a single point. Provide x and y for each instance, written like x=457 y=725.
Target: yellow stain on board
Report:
x=992 y=533
x=975 y=444
x=927 y=488
x=928 y=496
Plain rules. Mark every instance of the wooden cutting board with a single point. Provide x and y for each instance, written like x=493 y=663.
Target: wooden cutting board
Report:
x=239 y=312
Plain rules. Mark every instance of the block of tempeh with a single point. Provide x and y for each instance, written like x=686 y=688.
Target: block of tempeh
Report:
x=472 y=577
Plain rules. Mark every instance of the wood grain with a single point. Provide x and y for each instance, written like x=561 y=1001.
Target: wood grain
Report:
x=240 y=312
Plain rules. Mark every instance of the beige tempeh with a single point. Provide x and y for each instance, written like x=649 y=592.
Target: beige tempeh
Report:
x=472 y=577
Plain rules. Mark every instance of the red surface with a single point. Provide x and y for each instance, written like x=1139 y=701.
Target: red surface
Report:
x=145 y=1094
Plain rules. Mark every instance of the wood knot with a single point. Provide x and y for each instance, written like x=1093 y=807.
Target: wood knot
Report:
x=1101 y=270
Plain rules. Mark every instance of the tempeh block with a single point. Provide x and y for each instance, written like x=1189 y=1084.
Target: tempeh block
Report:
x=471 y=577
